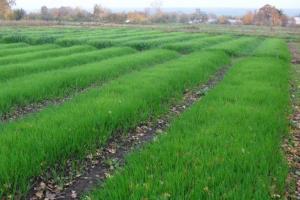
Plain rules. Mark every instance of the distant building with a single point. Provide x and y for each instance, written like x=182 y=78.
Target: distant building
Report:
x=235 y=21
x=212 y=21
x=297 y=20
x=195 y=21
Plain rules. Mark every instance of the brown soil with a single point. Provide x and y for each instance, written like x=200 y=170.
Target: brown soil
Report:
x=295 y=53
x=292 y=143
x=23 y=111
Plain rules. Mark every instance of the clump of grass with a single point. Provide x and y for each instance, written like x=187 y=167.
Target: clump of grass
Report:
x=15 y=38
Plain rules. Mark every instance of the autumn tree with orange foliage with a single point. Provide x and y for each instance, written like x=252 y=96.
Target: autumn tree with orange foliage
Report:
x=223 y=20
x=248 y=19
x=269 y=16
x=5 y=8
x=137 y=17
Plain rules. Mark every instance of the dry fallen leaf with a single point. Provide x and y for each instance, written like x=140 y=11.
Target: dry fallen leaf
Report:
x=74 y=194
x=166 y=195
x=50 y=196
x=42 y=185
x=159 y=131
x=39 y=194
x=206 y=189
x=112 y=150
x=107 y=175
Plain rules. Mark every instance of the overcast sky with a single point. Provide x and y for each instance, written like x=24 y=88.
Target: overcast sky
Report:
x=36 y=4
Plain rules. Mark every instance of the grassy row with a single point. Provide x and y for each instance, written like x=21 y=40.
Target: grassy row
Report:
x=82 y=32
x=159 y=41
x=102 y=43
x=59 y=83
x=138 y=39
x=44 y=36
x=17 y=70
x=238 y=47
x=55 y=32
x=74 y=128
x=82 y=39
x=26 y=49
x=68 y=37
x=38 y=31
x=28 y=39
x=12 y=45
x=274 y=48
x=196 y=44
x=30 y=57
x=228 y=146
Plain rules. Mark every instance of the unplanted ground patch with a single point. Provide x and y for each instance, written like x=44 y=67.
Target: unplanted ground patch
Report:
x=294 y=48
x=292 y=143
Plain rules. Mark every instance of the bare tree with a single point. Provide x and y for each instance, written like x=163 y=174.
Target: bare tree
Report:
x=19 y=14
x=45 y=15
x=100 y=12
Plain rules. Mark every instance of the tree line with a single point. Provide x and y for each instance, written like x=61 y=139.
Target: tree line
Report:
x=267 y=15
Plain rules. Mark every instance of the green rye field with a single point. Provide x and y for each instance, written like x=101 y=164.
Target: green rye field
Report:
x=68 y=93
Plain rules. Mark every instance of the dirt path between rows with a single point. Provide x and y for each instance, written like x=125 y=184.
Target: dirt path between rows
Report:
x=295 y=52
x=292 y=143
x=23 y=111
x=102 y=164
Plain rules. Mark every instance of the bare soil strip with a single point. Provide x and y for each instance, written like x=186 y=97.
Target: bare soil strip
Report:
x=23 y=111
x=292 y=144
x=101 y=165
x=20 y=112
x=295 y=53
